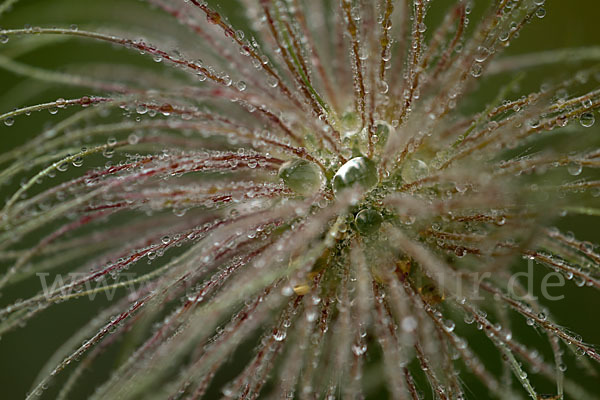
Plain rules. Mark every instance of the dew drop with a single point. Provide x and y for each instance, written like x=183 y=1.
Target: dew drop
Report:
x=482 y=54
x=476 y=70
x=460 y=251
x=279 y=335
x=302 y=176
x=587 y=120
x=414 y=170
x=449 y=325
x=241 y=86
x=287 y=290
x=523 y=374
x=9 y=121
x=562 y=367
x=382 y=133
x=77 y=162
x=141 y=109
x=133 y=139
x=359 y=349
x=272 y=81
x=542 y=316
x=409 y=324
x=108 y=152
x=574 y=168
x=540 y=13
x=368 y=221
x=358 y=171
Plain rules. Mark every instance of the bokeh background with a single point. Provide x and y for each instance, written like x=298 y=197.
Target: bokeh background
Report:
x=568 y=23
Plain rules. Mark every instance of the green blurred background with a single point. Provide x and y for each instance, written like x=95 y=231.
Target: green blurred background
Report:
x=568 y=23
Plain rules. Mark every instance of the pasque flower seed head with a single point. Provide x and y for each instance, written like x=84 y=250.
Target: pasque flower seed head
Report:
x=316 y=202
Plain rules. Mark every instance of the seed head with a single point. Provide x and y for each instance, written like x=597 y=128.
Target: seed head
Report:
x=321 y=202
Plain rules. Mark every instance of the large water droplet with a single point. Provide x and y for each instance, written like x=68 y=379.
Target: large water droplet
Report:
x=368 y=221
x=303 y=177
x=382 y=133
x=358 y=171
x=414 y=170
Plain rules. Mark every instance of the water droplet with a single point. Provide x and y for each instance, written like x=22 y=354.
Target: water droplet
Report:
x=279 y=335
x=77 y=162
x=359 y=349
x=302 y=176
x=3 y=39
x=523 y=374
x=133 y=139
x=414 y=170
x=476 y=70
x=9 y=121
x=449 y=325
x=358 y=171
x=382 y=132
x=482 y=54
x=368 y=221
x=311 y=316
x=241 y=86
x=541 y=12
x=409 y=324
x=542 y=316
x=574 y=168
x=272 y=81
x=587 y=119
x=287 y=290
x=460 y=251
x=562 y=367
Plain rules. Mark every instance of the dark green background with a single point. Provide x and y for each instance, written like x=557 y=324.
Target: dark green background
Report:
x=567 y=23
